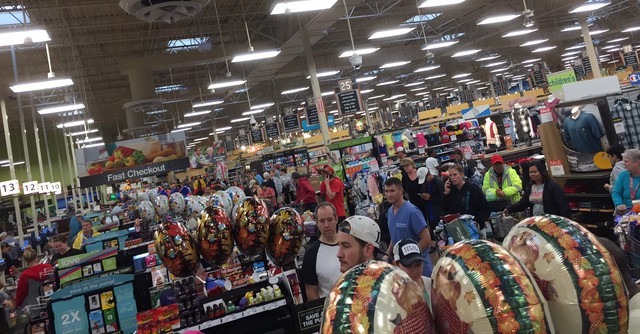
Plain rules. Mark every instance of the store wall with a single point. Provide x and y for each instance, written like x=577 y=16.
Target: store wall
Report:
x=55 y=148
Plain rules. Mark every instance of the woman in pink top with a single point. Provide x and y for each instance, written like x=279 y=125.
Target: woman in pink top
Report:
x=269 y=195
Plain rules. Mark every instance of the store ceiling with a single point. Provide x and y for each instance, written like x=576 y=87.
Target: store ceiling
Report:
x=95 y=42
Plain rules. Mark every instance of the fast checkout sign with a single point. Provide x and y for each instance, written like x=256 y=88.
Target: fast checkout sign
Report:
x=134 y=172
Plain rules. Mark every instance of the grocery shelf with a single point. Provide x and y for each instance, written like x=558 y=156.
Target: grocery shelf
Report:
x=237 y=315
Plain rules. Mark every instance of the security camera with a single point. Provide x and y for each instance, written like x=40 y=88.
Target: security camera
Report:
x=253 y=122
x=356 y=61
x=429 y=57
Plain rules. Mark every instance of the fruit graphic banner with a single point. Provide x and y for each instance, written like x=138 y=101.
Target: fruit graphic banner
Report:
x=131 y=159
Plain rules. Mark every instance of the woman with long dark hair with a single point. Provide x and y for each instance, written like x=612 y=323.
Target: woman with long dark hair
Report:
x=542 y=196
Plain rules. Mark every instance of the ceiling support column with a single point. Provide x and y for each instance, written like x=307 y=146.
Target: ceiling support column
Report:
x=591 y=50
x=315 y=87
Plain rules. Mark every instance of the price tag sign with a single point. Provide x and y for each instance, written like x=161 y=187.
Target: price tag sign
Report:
x=9 y=188
x=421 y=151
x=30 y=188
x=43 y=188
x=56 y=187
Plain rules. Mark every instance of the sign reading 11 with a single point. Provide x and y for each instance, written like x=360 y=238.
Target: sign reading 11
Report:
x=12 y=187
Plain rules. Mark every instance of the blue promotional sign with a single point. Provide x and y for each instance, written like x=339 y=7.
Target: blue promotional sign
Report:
x=307 y=127
x=127 y=309
x=70 y=316
x=635 y=79
x=475 y=112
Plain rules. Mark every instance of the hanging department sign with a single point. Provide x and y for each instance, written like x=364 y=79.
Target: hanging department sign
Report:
x=349 y=102
x=136 y=158
x=558 y=79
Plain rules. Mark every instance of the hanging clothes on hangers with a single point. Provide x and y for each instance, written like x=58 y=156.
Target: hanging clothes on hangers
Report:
x=629 y=112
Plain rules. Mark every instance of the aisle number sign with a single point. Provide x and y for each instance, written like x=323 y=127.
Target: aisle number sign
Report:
x=11 y=187
x=30 y=188
x=56 y=188
x=44 y=187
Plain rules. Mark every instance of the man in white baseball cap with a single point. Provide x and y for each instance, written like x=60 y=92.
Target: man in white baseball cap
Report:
x=358 y=241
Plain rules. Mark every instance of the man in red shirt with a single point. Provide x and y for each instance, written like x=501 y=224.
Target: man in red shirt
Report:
x=332 y=189
x=305 y=195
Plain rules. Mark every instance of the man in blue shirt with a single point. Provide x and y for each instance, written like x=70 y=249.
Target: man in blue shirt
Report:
x=406 y=222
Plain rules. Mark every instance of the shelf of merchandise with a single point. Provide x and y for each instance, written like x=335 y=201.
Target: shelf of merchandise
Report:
x=146 y=243
x=592 y=210
x=587 y=195
x=237 y=315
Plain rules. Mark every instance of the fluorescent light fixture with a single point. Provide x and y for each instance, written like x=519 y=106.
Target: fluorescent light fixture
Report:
x=610 y=47
x=530 y=61
x=262 y=105
x=327 y=93
x=498 y=63
x=324 y=74
x=4 y=162
x=93 y=145
x=41 y=85
x=288 y=7
x=225 y=128
x=295 y=90
x=487 y=58
x=569 y=58
x=201 y=139
x=613 y=49
x=241 y=119
x=466 y=53
x=395 y=64
x=632 y=29
x=519 y=32
x=394 y=97
x=15 y=164
x=464 y=80
x=74 y=123
x=422 y=93
x=80 y=133
x=333 y=112
x=363 y=51
x=366 y=91
x=375 y=97
x=180 y=130
x=156 y=112
x=391 y=32
x=88 y=140
x=590 y=6
x=197 y=113
x=188 y=125
x=498 y=70
x=617 y=40
x=473 y=82
x=437 y=3
x=440 y=88
x=498 y=19
x=576 y=47
x=57 y=109
x=438 y=45
x=18 y=37
x=534 y=42
x=224 y=84
x=254 y=55
x=253 y=112
x=207 y=103
x=365 y=79
x=543 y=49
x=418 y=89
x=427 y=68
x=418 y=83
x=386 y=83
x=435 y=76
x=597 y=32
x=571 y=53
x=461 y=75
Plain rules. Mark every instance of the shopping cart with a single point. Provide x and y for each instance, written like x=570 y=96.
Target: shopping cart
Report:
x=501 y=224
x=628 y=232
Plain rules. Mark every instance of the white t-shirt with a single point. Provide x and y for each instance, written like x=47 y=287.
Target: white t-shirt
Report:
x=432 y=164
x=321 y=267
x=634 y=313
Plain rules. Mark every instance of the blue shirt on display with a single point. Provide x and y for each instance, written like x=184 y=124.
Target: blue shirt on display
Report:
x=408 y=223
x=583 y=133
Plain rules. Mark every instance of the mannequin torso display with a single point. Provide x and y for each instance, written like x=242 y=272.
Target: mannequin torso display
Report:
x=582 y=132
x=491 y=131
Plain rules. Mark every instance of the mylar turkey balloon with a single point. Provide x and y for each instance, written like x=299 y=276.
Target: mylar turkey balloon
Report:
x=479 y=287
x=214 y=235
x=577 y=275
x=176 y=248
x=177 y=203
x=196 y=205
x=286 y=230
x=146 y=210
x=162 y=205
x=143 y=196
x=251 y=228
x=224 y=201
x=133 y=195
x=153 y=193
x=236 y=194
x=376 y=297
